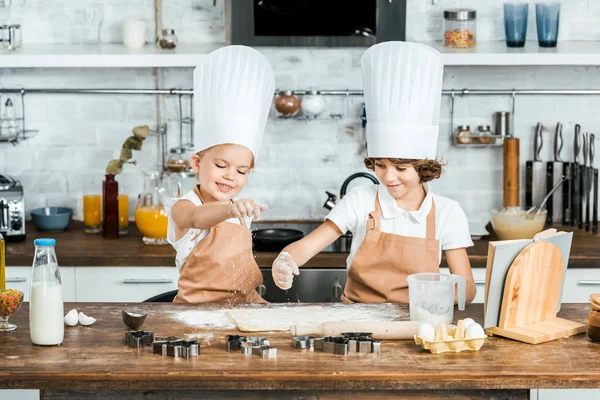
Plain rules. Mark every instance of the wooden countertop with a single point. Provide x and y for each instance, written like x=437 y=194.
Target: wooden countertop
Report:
x=76 y=248
x=95 y=357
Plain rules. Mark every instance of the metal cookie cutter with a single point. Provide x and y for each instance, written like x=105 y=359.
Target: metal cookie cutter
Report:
x=176 y=347
x=303 y=342
x=234 y=342
x=139 y=339
x=362 y=342
x=258 y=346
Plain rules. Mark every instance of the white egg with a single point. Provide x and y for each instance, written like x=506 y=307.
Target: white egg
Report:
x=467 y=322
x=426 y=331
x=71 y=318
x=85 y=320
x=475 y=331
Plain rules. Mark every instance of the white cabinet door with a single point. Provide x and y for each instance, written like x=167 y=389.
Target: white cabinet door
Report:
x=123 y=284
x=19 y=394
x=562 y=394
x=580 y=283
x=20 y=278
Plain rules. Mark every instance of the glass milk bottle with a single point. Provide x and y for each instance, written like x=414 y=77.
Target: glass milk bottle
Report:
x=46 y=309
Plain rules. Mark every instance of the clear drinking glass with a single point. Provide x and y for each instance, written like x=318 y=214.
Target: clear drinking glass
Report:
x=515 y=23
x=547 y=17
x=92 y=213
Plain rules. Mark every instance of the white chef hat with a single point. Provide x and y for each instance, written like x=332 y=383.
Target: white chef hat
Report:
x=233 y=92
x=402 y=90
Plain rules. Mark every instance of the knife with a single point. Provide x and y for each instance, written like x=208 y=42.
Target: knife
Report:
x=555 y=170
x=535 y=174
x=582 y=181
x=592 y=148
x=575 y=191
x=586 y=183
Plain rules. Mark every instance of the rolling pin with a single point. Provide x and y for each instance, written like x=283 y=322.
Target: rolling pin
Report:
x=379 y=329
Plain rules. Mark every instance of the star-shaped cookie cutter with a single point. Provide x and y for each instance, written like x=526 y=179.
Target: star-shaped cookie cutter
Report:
x=139 y=339
x=175 y=347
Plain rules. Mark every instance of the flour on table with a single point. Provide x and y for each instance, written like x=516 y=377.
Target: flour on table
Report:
x=282 y=318
x=205 y=319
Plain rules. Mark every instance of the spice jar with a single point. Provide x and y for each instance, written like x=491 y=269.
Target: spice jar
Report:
x=460 y=27
x=177 y=161
x=313 y=104
x=463 y=135
x=287 y=103
x=168 y=39
x=593 y=328
x=484 y=135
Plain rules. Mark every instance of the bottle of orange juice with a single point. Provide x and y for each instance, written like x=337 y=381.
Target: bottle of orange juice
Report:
x=150 y=215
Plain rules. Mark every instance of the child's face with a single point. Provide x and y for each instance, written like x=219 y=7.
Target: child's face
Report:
x=399 y=179
x=223 y=170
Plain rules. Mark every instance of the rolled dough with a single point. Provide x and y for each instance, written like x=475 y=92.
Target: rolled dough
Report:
x=275 y=319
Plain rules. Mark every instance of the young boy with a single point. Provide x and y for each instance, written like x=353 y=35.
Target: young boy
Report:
x=233 y=91
x=399 y=227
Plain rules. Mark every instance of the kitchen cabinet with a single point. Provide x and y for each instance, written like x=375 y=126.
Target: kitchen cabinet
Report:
x=580 y=283
x=19 y=394
x=123 y=284
x=20 y=278
x=561 y=394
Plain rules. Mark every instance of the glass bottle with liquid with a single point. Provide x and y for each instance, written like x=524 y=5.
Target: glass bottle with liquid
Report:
x=46 y=307
x=150 y=214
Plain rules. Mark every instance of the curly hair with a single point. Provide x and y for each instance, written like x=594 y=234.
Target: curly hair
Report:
x=427 y=170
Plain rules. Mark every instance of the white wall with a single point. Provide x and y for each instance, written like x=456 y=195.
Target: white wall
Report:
x=299 y=160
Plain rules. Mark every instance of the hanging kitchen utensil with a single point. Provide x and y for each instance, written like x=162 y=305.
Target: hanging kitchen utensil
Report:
x=585 y=182
x=594 y=190
x=535 y=174
x=576 y=188
x=555 y=170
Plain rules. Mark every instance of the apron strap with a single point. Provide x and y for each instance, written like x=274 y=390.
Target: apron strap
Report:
x=374 y=223
x=430 y=229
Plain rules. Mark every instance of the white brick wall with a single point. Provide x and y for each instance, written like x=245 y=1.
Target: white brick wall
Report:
x=299 y=159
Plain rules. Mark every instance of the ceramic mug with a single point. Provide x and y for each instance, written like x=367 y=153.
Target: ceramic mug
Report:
x=134 y=33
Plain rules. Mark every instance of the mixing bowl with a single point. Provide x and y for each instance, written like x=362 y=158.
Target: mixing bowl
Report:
x=513 y=223
x=51 y=219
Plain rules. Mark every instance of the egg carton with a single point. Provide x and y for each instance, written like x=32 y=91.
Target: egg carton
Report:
x=450 y=339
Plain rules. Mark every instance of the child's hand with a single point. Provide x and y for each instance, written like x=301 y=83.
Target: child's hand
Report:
x=245 y=208
x=283 y=271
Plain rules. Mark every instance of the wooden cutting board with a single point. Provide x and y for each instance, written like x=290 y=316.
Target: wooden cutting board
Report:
x=531 y=296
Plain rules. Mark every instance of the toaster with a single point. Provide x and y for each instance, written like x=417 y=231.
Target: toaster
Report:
x=12 y=209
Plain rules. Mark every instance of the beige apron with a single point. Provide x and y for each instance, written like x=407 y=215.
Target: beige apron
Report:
x=221 y=268
x=378 y=271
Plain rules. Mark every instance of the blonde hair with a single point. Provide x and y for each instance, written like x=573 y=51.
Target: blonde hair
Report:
x=427 y=170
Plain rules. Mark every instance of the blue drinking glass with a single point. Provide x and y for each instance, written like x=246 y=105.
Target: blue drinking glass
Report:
x=515 y=23
x=547 y=17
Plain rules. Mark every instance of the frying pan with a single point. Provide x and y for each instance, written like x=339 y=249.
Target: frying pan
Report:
x=274 y=239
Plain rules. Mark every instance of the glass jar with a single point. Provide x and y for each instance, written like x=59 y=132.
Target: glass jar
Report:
x=150 y=214
x=287 y=103
x=46 y=307
x=168 y=39
x=460 y=27
x=593 y=327
x=484 y=135
x=463 y=135
x=177 y=161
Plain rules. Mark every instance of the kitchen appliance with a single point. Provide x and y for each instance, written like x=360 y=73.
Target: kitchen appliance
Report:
x=12 y=209
x=314 y=22
x=431 y=296
x=535 y=172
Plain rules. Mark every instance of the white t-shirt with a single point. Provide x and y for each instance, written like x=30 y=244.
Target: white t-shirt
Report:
x=192 y=237
x=352 y=212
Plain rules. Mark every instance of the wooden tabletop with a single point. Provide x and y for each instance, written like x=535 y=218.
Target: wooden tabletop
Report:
x=74 y=247
x=96 y=357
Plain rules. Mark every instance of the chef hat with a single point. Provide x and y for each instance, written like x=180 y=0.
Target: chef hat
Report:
x=402 y=90
x=233 y=92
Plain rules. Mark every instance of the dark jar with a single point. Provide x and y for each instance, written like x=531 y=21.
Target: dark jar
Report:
x=593 y=328
x=287 y=103
x=110 y=210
